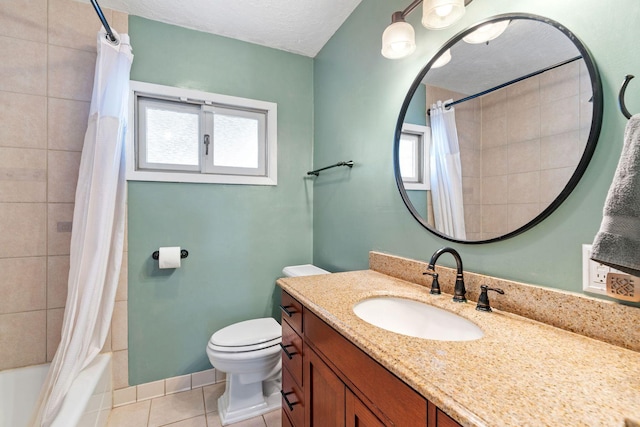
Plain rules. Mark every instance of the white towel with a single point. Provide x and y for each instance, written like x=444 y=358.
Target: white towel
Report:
x=617 y=244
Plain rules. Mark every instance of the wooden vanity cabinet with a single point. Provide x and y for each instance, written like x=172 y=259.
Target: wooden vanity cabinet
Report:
x=341 y=385
x=292 y=355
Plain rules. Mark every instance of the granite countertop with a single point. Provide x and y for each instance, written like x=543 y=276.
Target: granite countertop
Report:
x=520 y=373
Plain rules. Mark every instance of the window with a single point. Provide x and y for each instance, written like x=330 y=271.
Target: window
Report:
x=191 y=136
x=414 y=156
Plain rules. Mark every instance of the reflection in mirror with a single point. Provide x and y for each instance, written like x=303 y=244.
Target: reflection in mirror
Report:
x=509 y=126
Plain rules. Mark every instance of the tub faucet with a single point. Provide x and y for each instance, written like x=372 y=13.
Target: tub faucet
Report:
x=459 y=290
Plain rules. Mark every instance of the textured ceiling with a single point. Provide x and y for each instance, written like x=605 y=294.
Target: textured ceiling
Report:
x=526 y=46
x=298 y=26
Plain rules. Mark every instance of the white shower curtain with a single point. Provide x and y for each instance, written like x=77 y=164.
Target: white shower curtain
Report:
x=98 y=228
x=446 y=172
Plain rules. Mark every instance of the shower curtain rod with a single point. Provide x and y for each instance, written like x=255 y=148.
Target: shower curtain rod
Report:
x=105 y=24
x=519 y=79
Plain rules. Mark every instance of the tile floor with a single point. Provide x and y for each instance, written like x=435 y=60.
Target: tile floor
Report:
x=193 y=408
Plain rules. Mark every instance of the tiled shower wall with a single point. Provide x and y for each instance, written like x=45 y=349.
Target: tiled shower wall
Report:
x=519 y=145
x=47 y=60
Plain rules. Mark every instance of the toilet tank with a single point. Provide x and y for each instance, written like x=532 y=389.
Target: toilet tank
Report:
x=303 y=270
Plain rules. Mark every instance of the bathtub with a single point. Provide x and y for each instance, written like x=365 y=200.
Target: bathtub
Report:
x=88 y=402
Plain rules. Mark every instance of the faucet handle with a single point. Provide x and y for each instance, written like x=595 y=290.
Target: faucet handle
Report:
x=483 y=299
x=435 y=285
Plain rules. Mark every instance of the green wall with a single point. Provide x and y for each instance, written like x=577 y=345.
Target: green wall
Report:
x=238 y=237
x=358 y=95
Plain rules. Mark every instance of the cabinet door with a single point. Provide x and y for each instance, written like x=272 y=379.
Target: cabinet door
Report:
x=358 y=415
x=324 y=393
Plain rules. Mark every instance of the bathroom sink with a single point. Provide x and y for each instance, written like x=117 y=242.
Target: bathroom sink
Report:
x=416 y=319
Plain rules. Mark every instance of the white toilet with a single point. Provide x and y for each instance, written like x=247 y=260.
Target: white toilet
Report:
x=249 y=353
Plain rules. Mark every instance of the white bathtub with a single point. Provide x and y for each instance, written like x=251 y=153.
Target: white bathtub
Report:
x=88 y=402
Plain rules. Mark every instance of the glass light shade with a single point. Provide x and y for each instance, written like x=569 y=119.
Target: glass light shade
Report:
x=442 y=59
x=486 y=32
x=398 y=40
x=437 y=14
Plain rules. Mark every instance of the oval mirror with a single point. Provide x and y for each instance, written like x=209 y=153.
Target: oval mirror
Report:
x=497 y=129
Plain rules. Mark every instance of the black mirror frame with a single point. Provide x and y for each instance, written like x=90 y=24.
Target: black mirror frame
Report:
x=594 y=132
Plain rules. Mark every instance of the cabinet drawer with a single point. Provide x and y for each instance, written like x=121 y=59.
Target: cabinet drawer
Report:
x=292 y=311
x=292 y=352
x=292 y=400
x=396 y=400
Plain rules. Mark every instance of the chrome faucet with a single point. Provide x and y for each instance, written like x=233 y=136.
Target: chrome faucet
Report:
x=459 y=290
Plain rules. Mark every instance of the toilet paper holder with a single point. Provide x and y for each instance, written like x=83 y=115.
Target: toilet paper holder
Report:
x=183 y=254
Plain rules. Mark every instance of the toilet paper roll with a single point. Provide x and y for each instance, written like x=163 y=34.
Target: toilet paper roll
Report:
x=169 y=257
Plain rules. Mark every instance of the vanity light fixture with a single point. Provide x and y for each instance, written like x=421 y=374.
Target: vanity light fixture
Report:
x=442 y=59
x=399 y=39
x=487 y=32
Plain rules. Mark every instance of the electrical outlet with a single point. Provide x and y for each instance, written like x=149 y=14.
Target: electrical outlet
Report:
x=594 y=274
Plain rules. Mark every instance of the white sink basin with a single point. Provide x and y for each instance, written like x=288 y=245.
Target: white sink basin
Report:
x=416 y=319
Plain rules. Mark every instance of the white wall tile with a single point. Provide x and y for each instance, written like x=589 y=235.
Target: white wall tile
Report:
x=202 y=378
x=124 y=396
x=150 y=390
x=177 y=384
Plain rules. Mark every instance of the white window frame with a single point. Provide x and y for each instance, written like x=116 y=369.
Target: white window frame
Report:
x=210 y=101
x=422 y=181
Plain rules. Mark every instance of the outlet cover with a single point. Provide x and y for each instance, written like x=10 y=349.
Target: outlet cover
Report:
x=594 y=274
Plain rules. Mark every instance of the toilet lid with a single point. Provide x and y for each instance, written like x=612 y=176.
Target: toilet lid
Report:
x=252 y=332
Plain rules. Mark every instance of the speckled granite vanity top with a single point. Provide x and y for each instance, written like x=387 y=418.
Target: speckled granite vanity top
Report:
x=521 y=373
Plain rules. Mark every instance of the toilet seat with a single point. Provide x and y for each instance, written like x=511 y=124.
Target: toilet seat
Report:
x=248 y=336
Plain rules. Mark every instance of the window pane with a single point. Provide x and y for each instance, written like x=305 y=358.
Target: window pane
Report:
x=235 y=141
x=409 y=157
x=172 y=137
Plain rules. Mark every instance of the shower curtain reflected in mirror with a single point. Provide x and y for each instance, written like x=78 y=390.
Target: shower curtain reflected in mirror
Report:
x=446 y=172
x=98 y=228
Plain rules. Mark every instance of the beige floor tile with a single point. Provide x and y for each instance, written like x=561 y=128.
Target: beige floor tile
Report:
x=134 y=415
x=273 y=419
x=26 y=275
x=211 y=395
x=176 y=407
x=251 y=422
x=213 y=420
x=200 y=421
